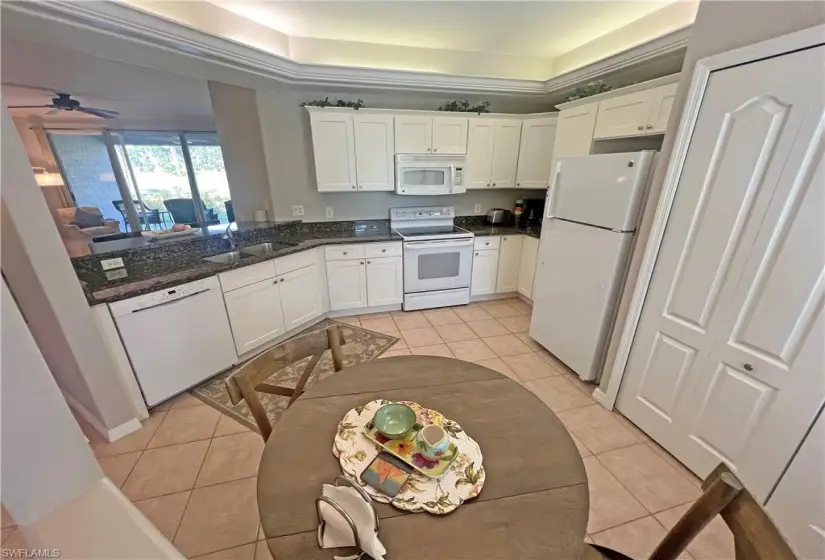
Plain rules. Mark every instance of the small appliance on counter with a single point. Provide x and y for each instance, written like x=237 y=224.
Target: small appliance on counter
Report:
x=497 y=216
x=532 y=214
x=438 y=257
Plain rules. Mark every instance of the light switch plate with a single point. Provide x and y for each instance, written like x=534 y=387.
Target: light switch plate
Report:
x=329 y=212
x=477 y=208
x=109 y=264
x=297 y=210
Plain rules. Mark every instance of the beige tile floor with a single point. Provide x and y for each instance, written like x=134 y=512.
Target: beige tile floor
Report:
x=191 y=470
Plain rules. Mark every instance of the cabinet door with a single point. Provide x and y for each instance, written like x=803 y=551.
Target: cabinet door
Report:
x=413 y=135
x=574 y=134
x=622 y=116
x=536 y=153
x=301 y=297
x=527 y=267
x=505 y=153
x=509 y=260
x=385 y=281
x=661 y=103
x=485 y=270
x=374 y=152
x=449 y=135
x=347 y=282
x=255 y=314
x=333 y=143
x=479 y=153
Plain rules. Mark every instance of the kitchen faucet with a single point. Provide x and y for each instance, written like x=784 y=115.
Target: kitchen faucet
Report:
x=229 y=237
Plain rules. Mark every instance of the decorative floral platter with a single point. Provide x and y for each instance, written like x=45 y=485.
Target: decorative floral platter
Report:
x=462 y=480
x=405 y=449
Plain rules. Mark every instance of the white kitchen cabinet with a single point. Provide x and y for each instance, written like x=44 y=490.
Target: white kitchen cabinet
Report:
x=485 y=272
x=255 y=314
x=509 y=258
x=574 y=133
x=527 y=266
x=333 y=143
x=301 y=296
x=661 y=103
x=479 y=153
x=635 y=114
x=374 y=152
x=535 y=153
x=505 y=153
x=449 y=135
x=385 y=281
x=423 y=135
x=347 y=282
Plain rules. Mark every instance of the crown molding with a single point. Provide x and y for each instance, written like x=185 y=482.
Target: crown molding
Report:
x=132 y=24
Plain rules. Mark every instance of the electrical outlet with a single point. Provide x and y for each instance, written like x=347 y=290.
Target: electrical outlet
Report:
x=477 y=208
x=297 y=210
x=109 y=264
x=329 y=212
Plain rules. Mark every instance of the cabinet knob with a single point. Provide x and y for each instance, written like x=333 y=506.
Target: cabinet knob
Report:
x=748 y=367
x=476 y=254
x=488 y=184
x=494 y=184
x=640 y=127
x=649 y=126
x=362 y=262
x=487 y=243
x=518 y=184
x=428 y=149
x=345 y=252
x=383 y=250
x=353 y=187
x=435 y=149
x=369 y=262
x=282 y=280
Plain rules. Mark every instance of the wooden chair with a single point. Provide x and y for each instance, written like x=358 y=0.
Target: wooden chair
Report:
x=755 y=535
x=248 y=380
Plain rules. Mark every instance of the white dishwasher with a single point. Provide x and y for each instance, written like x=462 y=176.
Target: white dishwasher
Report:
x=175 y=337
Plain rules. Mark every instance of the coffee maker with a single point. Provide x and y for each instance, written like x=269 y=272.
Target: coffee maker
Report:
x=533 y=213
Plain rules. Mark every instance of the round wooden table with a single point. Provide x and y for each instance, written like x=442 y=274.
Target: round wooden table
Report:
x=534 y=503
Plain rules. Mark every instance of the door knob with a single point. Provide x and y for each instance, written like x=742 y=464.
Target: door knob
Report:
x=748 y=367
x=640 y=127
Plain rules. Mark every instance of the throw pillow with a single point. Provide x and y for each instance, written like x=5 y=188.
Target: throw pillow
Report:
x=85 y=219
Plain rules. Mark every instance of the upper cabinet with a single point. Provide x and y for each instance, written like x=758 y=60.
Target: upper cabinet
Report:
x=574 y=134
x=492 y=153
x=424 y=135
x=635 y=114
x=536 y=153
x=374 y=152
x=505 y=153
x=333 y=143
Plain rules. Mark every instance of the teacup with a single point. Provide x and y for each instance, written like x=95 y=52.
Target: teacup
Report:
x=433 y=442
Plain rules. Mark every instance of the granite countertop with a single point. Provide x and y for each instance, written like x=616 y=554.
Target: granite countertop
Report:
x=478 y=226
x=156 y=267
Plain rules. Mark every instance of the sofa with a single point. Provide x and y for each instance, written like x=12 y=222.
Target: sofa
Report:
x=78 y=238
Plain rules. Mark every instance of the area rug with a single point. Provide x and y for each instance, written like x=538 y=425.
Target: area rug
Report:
x=361 y=346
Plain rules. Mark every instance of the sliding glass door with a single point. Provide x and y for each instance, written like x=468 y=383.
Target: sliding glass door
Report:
x=145 y=179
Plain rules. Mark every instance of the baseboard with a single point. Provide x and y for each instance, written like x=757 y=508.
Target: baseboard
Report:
x=364 y=310
x=132 y=425
x=491 y=297
x=525 y=299
x=601 y=398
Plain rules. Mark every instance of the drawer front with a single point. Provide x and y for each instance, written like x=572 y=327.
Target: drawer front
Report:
x=294 y=262
x=487 y=242
x=384 y=249
x=344 y=252
x=234 y=279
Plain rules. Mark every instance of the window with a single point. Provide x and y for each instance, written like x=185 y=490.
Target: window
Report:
x=168 y=177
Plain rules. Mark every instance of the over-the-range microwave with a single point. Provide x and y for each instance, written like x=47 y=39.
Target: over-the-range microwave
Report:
x=429 y=174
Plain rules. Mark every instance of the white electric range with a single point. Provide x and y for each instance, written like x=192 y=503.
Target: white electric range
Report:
x=438 y=257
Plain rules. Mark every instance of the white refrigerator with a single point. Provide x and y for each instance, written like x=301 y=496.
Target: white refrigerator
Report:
x=591 y=214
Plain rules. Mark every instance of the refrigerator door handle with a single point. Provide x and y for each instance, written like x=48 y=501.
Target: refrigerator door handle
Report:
x=551 y=194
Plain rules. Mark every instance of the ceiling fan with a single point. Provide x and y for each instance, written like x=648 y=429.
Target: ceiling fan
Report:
x=64 y=102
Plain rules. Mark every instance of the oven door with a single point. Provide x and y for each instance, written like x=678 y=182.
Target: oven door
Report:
x=437 y=265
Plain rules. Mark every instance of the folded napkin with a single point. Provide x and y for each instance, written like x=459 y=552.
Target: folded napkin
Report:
x=337 y=532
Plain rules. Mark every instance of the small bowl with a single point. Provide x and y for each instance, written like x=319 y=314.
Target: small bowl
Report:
x=394 y=420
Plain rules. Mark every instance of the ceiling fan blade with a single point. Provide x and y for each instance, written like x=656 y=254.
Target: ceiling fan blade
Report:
x=29 y=106
x=107 y=111
x=98 y=112
x=53 y=111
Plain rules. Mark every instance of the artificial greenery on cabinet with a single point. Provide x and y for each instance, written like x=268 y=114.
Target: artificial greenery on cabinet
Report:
x=325 y=102
x=593 y=88
x=464 y=106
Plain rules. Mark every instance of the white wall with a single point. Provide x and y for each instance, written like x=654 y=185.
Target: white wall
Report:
x=721 y=25
x=288 y=148
x=239 y=127
x=45 y=286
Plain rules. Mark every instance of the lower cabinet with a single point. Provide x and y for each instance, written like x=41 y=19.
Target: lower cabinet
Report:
x=385 y=281
x=347 y=284
x=485 y=272
x=508 y=263
x=527 y=268
x=301 y=298
x=255 y=314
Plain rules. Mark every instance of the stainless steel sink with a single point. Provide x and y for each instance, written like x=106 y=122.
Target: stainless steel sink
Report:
x=265 y=249
x=233 y=257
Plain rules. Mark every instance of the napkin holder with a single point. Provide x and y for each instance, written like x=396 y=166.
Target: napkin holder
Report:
x=346 y=516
